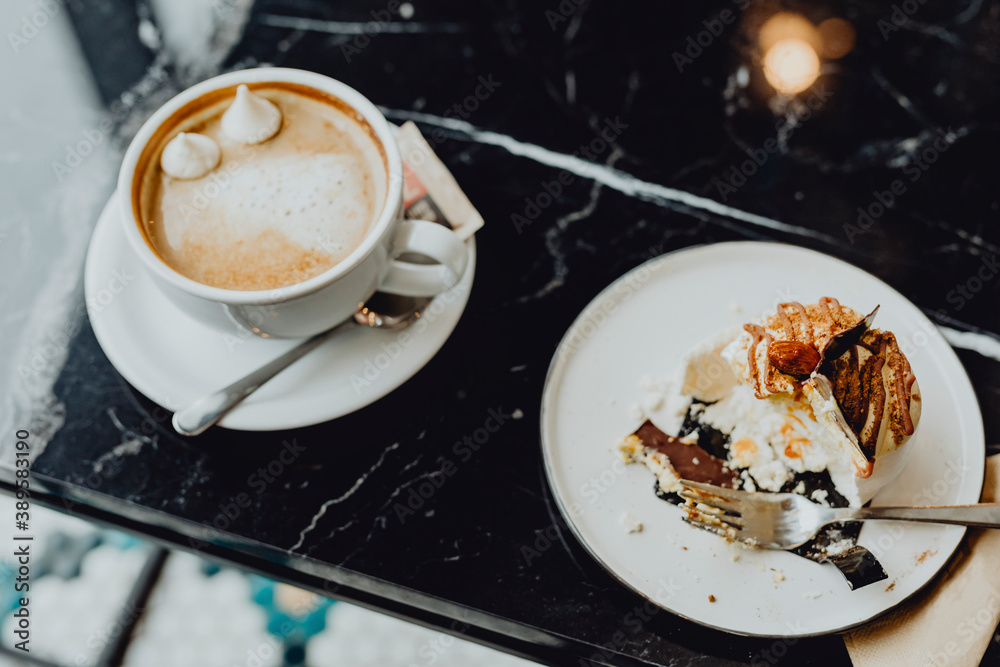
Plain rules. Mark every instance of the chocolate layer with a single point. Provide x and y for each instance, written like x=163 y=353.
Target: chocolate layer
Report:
x=682 y=457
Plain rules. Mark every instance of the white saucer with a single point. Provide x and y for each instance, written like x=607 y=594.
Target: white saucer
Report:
x=173 y=359
x=641 y=325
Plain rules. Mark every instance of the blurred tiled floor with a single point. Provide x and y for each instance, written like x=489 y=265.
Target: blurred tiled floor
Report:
x=197 y=614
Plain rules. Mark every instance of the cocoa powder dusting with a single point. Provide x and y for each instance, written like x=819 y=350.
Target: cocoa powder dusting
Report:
x=268 y=261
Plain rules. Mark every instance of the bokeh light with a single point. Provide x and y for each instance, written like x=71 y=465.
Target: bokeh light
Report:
x=838 y=38
x=791 y=65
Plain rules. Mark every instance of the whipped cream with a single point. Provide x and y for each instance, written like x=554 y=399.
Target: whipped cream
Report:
x=189 y=156
x=251 y=119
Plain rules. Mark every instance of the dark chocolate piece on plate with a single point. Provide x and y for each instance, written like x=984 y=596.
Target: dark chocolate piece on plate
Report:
x=838 y=544
x=689 y=462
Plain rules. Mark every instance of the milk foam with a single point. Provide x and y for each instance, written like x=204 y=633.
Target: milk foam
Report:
x=320 y=202
x=275 y=213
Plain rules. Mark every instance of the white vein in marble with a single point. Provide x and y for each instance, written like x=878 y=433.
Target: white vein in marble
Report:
x=985 y=344
x=358 y=27
x=613 y=178
x=344 y=496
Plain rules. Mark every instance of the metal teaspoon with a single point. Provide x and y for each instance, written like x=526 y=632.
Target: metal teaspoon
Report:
x=382 y=311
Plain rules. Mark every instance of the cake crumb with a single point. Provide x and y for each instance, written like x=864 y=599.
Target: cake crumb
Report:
x=629 y=523
x=819 y=496
x=711 y=598
x=840 y=546
x=890 y=587
x=925 y=555
x=778 y=575
x=517 y=414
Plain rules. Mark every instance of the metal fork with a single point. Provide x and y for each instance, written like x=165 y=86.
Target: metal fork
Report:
x=788 y=520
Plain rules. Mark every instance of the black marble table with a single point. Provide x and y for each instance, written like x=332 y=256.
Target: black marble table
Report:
x=650 y=139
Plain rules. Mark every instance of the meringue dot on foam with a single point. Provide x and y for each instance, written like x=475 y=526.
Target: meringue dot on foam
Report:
x=190 y=155
x=251 y=119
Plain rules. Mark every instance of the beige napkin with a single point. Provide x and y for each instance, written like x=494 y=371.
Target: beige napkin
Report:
x=952 y=622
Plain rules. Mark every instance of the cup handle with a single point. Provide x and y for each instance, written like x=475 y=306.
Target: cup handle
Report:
x=432 y=240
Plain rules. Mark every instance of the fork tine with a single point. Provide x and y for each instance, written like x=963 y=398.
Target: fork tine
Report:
x=727 y=530
x=710 y=527
x=711 y=500
x=722 y=492
x=712 y=514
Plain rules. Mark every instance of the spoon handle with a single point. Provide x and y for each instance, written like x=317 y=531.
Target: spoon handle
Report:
x=208 y=410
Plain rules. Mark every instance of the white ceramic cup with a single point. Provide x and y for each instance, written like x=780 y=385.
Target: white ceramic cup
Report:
x=323 y=301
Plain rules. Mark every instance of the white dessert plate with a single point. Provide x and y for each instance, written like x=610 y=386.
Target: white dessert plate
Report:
x=641 y=325
x=173 y=359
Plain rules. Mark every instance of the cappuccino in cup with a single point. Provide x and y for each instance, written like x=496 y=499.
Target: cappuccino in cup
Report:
x=272 y=199
x=259 y=188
